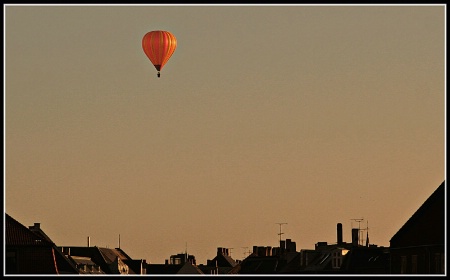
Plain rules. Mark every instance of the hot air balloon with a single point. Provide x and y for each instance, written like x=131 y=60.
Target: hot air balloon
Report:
x=159 y=46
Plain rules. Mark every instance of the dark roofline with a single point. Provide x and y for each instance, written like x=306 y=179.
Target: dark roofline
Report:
x=123 y=253
x=60 y=257
x=11 y=233
x=435 y=196
x=36 y=228
x=62 y=263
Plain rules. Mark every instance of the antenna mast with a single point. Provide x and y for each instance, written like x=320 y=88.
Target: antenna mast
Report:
x=229 y=251
x=280 y=231
x=245 y=252
x=360 y=233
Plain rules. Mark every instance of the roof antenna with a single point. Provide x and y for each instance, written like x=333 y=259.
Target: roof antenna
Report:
x=246 y=252
x=280 y=231
x=229 y=249
x=359 y=229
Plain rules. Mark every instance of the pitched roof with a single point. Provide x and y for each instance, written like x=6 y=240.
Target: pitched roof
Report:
x=36 y=228
x=189 y=268
x=17 y=234
x=293 y=264
x=206 y=269
x=83 y=260
x=319 y=261
x=86 y=265
x=37 y=255
x=436 y=198
x=260 y=265
x=223 y=260
x=110 y=255
x=104 y=257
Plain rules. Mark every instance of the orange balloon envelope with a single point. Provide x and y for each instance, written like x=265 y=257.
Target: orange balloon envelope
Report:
x=159 y=46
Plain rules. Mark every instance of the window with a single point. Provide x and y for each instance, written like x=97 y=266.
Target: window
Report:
x=439 y=263
x=403 y=265
x=11 y=262
x=337 y=259
x=414 y=264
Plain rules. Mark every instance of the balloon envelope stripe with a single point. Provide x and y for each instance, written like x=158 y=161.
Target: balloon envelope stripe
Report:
x=171 y=44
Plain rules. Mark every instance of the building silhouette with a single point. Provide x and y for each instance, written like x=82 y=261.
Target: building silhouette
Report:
x=31 y=252
x=418 y=247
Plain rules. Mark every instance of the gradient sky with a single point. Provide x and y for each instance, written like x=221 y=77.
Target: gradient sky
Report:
x=306 y=115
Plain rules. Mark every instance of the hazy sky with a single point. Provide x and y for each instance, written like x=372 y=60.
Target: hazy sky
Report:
x=306 y=115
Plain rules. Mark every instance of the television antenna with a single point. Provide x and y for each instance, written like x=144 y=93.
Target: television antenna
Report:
x=229 y=251
x=360 y=231
x=246 y=252
x=280 y=231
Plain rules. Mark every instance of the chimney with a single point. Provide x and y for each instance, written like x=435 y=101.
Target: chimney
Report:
x=290 y=246
x=261 y=251
x=321 y=244
x=89 y=241
x=339 y=233
x=355 y=236
x=36 y=226
x=275 y=251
